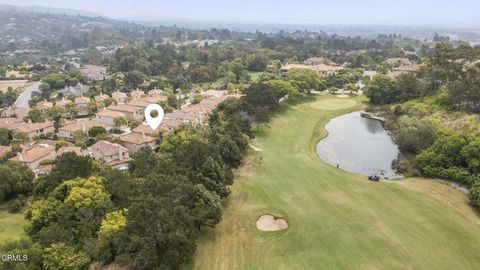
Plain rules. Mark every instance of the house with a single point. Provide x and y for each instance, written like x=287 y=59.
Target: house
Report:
x=146 y=129
x=153 y=99
x=120 y=97
x=137 y=94
x=83 y=105
x=322 y=70
x=313 y=61
x=74 y=91
x=62 y=103
x=96 y=73
x=214 y=94
x=132 y=113
x=398 y=61
x=139 y=103
x=15 y=112
x=133 y=141
x=395 y=72
x=112 y=154
x=44 y=106
x=100 y=100
x=32 y=156
x=107 y=117
x=68 y=131
x=34 y=130
x=183 y=117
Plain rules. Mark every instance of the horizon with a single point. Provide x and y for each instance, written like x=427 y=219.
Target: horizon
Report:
x=443 y=13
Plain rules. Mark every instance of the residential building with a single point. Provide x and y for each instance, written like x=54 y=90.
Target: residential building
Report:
x=33 y=130
x=107 y=117
x=120 y=97
x=32 y=156
x=395 y=72
x=214 y=94
x=321 y=69
x=137 y=94
x=132 y=113
x=133 y=141
x=62 y=103
x=96 y=73
x=100 y=100
x=112 y=154
x=44 y=105
x=155 y=92
x=68 y=131
x=83 y=105
x=74 y=91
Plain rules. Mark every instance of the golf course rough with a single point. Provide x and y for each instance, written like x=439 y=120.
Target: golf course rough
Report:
x=336 y=219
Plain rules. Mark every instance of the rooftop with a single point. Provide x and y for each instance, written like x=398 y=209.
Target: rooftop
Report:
x=137 y=138
x=34 y=153
x=107 y=148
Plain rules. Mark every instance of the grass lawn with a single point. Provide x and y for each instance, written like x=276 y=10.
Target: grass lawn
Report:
x=337 y=220
x=11 y=225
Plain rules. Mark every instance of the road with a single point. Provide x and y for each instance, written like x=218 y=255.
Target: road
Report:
x=26 y=95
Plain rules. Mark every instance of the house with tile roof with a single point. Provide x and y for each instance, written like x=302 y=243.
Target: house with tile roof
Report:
x=83 y=105
x=68 y=131
x=107 y=117
x=112 y=154
x=120 y=97
x=100 y=100
x=32 y=156
x=137 y=94
x=133 y=141
x=132 y=113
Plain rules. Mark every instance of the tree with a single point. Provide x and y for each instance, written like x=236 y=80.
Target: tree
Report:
x=96 y=130
x=23 y=247
x=15 y=178
x=36 y=116
x=207 y=209
x=70 y=166
x=120 y=122
x=5 y=136
x=381 y=90
x=413 y=135
x=304 y=79
x=133 y=79
x=407 y=87
x=475 y=195
x=160 y=229
x=284 y=87
x=61 y=144
x=109 y=235
x=64 y=257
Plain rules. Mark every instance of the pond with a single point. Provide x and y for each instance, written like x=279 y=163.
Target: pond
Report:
x=360 y=145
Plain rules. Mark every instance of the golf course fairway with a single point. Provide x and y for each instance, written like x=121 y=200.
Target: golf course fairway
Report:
x=336 y=220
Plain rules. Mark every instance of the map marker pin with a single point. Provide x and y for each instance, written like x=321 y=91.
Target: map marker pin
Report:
x=154 y=122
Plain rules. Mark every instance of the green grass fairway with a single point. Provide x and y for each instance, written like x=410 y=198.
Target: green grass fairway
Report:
x=11 y=225
x=337 y=220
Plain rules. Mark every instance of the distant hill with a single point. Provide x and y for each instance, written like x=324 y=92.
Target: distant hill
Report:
x=50 y=10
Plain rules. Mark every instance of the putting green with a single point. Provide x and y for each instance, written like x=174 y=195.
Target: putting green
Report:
x=330 y=104
x=336 y=220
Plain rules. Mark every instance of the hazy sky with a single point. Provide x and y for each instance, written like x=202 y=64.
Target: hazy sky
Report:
x=366 y=12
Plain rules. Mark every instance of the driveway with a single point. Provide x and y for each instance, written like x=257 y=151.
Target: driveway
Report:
x=26 y=95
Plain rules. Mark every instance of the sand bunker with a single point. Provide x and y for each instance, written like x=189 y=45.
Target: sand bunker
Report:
x=269 y=223
x=343 y=96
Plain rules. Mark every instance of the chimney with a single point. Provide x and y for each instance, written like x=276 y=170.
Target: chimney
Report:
x=83 y=126
x=20 y=156
x=120 y=153
x=143 y=135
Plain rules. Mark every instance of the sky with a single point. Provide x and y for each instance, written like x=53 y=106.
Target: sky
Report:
x=317 y=12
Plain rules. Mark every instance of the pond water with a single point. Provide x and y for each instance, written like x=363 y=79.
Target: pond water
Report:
x=359 y=145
